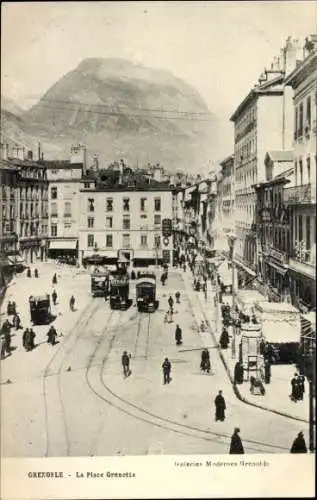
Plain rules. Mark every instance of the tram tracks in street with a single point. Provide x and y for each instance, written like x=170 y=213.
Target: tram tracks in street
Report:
x=64 y=349
x=104 y=392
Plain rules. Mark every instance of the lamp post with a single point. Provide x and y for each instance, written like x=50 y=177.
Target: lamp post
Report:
x=231 y=242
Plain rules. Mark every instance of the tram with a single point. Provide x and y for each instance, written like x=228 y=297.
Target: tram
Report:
x=146 y=292
x=119 y=292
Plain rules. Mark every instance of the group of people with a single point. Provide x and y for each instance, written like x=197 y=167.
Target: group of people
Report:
x=298 y=387
x=29 y=273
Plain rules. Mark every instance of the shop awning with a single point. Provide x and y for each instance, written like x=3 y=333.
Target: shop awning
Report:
x=63 y=245
x=15 y=259
x=278 y=268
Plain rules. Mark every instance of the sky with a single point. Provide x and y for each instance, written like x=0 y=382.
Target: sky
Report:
x=218 y=47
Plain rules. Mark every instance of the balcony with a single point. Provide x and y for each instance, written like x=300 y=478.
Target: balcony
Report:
x=305 y=194
x=278 y=255
x=303 y=266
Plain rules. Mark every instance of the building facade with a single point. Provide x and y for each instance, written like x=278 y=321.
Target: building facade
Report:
x=26 y=214
x=225 y=203
x=65 y=178
x=122 y=214
x=302 y=197
x=262 y=122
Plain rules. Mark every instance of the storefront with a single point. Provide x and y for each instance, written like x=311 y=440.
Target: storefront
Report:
x=63 y=249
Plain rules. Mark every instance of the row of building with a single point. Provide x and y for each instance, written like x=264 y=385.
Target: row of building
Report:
x=264 y=193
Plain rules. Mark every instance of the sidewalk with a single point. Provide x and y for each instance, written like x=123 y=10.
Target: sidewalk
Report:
x=276 y=398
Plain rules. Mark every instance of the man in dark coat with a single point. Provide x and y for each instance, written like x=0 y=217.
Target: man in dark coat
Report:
x=236 y=446
x=220 y=407
x=54 y=280
x=31 y=339
x=177 y=297
x=238 y=373
x=301 y=387
x=170 y=301
x=72 y=303
x=7 y=341
x=36 y=273
x=178 y=335
x=25 y=338
x=299 y=445
x=51 y=336
x=205 y=364
x=166 y=371
x=224 y=339
x=125 y=361
x=295 y=388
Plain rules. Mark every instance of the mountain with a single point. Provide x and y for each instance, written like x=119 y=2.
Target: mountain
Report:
x=8 y=104
x=121 y=109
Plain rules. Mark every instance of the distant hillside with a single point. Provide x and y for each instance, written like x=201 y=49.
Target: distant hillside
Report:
x=119 y=109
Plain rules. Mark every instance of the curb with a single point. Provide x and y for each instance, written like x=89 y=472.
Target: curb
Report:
x=234 y=385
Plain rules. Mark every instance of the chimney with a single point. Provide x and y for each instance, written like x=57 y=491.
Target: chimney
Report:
x=158 y=173
x=291 y=54
x=95 y=163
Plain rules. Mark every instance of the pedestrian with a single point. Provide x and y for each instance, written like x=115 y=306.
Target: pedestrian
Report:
x=51 y=336
x=166 y=371
x=6 y=327
x=205 y=361
x=31 y=340
x=238 y=373
x=72 y=303
x=299 y=445
x=2 y=347
x=54 y=280
x=125 y=361
x=170 y=315
x=166 y=315
x=295 y=388
x=17 y=322
x=25 y=338
x=178 y=335
x=267 y=371
x=54 y=297
x=301 y=387
x=9 y=308
x=184 y=267
x=7 y=341
x=236 y=446
x=28 y=273
x=36 y=273
x=224 y=339
x=177 y=297
x=170 y=301
x=14 y=308
x=220 y=405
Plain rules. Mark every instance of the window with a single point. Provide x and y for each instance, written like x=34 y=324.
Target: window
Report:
x=143 y=216
x=108 y=222
x=126 y=204
x=55 y=171
x=125 y=241
x=86 y=185
x=67 y=209
x=54 y=209
x=301 y=120
x=109 y=204
x=157 y=219
x=300 y=228
x=143 y=204
x=91 y=205
x=109 y=241
x=157 y=204
x=296 y=122
x=308 y=170
x=90 y=221
x=126 y=222
x=157 y=241
x=54 y=193
x=143 y=240
x=308 y=113
x=300 y=172
x=307 y=232
x=53 y=229
x=90 y=240
x=295 y=172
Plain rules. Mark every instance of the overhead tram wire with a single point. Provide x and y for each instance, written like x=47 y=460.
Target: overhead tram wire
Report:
x=159 y=114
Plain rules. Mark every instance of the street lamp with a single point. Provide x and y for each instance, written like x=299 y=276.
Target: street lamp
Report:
x=231 y=242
